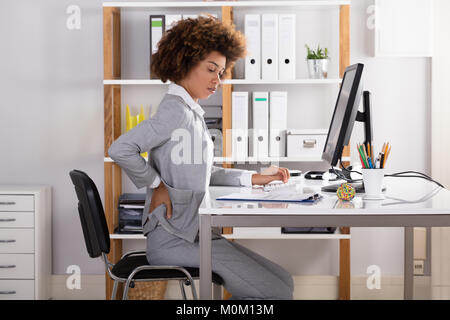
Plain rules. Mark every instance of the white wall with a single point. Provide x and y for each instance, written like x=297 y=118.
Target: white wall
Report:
x=440 y=257
x=401 y=91
x=52 y=122
x=51 y=118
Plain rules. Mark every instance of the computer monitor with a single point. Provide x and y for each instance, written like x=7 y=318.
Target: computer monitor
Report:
x=344 y=116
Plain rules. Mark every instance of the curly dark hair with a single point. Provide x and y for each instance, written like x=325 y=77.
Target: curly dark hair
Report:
x=189 y=41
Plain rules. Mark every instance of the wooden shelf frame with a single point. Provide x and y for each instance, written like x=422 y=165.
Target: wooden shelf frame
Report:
x=112 y=106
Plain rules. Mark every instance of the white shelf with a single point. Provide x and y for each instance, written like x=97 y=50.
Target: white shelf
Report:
x=253 y=159
x=297 y=81
x=268 y=159
x=201 y=4
x=231 y=81
x=273 y=159
x=283 y=236
x=135 y=82
x=254 y=235
x=127 y=236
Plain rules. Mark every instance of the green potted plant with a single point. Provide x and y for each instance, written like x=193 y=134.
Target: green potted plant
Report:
x=317 y=62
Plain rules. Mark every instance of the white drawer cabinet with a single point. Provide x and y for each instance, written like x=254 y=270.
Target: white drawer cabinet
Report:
x=25 y=242
x=17 y=289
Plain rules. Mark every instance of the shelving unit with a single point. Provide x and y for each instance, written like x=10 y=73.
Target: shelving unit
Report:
x=113 y=83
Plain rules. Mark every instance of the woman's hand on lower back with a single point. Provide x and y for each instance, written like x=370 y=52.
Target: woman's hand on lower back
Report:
x=160 y=195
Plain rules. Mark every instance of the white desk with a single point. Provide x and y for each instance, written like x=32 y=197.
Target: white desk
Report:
x=409 y=203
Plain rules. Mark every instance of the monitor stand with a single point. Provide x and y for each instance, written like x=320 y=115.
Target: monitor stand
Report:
x=359 y=187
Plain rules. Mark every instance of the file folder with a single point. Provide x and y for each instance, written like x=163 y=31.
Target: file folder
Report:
x=278 y=123
x=269 y=47
x=253 y=35
x=260 y=133
x=272 y=197
x=239 y=125
x=157 y=27
x=286 y=45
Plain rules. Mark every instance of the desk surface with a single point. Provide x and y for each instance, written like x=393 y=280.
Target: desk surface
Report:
x=402 y=196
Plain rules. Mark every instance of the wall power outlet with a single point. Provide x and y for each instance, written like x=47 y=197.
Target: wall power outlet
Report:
x=419 y=267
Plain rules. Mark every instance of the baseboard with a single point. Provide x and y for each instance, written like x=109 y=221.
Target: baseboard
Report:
x=306 y=288
x=92 y=288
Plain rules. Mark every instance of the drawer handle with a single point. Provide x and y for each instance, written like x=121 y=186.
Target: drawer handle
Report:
x=7 y=241
x=309 y=143
x=7 y=292
x=8 y=203
x=12 y=266
x=8 y=220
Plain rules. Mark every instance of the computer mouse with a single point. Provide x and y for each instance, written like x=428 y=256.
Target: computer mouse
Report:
x=295 y=173
x=314 y=175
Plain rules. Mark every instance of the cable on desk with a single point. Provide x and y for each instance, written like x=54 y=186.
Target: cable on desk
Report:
x=419 y=175
x=403 y=174
x=345 y=169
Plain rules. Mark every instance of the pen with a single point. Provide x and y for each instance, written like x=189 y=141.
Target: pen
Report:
x=364 y=149
x=370 y=163
x=371 y=152
x=360 y=156
x=366 y=166
x=387 y=155
x=372 y=155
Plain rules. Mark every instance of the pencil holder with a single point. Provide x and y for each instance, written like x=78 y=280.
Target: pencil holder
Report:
x=373 y=183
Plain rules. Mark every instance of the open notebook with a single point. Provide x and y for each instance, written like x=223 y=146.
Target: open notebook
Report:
x=272 y=197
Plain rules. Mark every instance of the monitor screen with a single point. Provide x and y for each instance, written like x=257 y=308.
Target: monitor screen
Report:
x=344 y=114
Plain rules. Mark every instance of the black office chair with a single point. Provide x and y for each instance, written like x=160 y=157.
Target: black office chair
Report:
x=133 y=266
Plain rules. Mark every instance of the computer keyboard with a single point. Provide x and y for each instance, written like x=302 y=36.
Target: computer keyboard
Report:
x=279 y=185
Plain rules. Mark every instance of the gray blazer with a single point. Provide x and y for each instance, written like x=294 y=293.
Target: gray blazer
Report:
x=186 y=181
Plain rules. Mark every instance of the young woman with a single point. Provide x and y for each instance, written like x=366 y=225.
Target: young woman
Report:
x=194 y=55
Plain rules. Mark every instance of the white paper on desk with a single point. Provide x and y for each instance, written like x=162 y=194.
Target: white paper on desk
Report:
x=275 y=197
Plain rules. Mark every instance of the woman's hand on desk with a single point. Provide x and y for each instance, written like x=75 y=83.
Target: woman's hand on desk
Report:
x=160 y=195
x=270 y=174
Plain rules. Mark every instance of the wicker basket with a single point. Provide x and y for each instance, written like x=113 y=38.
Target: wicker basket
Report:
x=149 y=290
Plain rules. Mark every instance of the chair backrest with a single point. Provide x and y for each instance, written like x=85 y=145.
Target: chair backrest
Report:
x=92 y=216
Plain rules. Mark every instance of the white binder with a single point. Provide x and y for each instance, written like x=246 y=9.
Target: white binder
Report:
x=171 y=20
x=157 y=28
x=278 y=123
x=269 y=46
x=286 y=45
x=253 y=35
x=239 y=125
x=191 y=16
x=259 y=140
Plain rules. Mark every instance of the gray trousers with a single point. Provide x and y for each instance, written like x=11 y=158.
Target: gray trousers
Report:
x=246 y=274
